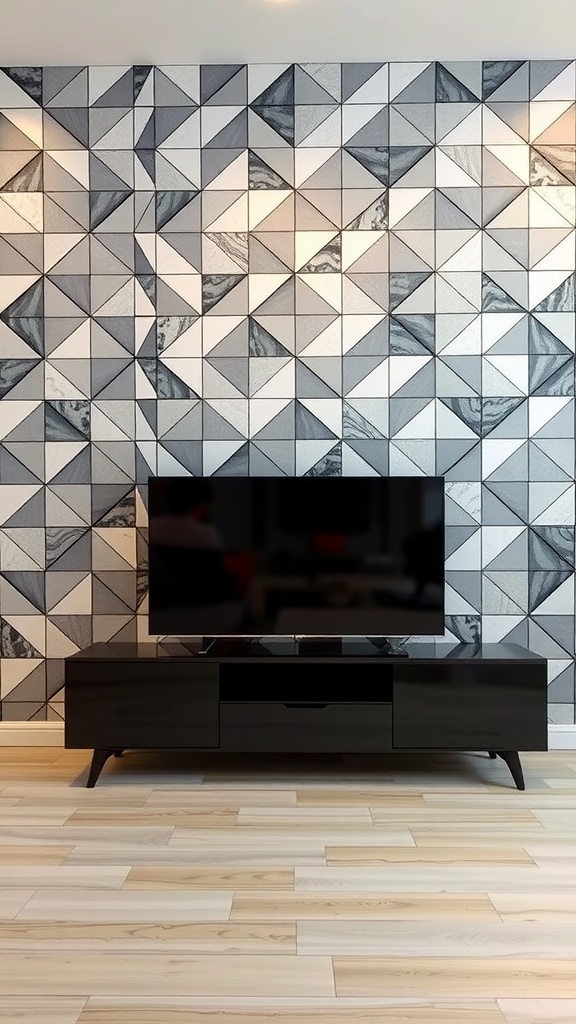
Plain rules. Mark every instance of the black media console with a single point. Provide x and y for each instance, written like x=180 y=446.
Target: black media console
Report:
x=344 y=698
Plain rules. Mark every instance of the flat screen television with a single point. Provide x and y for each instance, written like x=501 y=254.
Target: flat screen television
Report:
x=296 y=556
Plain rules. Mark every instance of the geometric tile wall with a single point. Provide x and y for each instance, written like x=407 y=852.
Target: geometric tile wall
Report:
x=284 y=269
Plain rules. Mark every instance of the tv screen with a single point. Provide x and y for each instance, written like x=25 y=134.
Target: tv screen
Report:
x=296 y=556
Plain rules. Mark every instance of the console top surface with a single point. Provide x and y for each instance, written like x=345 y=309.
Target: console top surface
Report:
x=279 y=650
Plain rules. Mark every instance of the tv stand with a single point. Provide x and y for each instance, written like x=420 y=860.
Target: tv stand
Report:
x=251 y=698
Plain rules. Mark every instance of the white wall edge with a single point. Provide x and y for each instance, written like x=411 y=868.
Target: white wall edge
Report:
x=51 y=734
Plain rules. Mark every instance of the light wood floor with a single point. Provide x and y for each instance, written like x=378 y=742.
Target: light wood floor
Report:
x=187 y=891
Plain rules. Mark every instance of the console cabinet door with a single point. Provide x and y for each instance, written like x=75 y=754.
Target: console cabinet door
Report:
x=141 y=704
x=460 y=706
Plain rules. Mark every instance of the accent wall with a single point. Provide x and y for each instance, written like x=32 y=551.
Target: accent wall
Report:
x=343 y=269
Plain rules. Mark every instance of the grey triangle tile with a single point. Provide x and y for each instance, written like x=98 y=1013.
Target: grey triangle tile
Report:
x=280 y=452
x=373 y=451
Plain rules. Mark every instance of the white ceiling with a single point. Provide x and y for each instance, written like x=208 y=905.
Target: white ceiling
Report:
x=214 y=31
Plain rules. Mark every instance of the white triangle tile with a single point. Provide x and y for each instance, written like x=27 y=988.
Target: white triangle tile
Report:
x=543 y=115
x=28 y=206
x=214 y=119
x=233 y=177
x=168 y=261
x=13 y=497
x=58 y=246
x=560 y=512
x=551 y=206
x=496 y=132
x=188 y=370
x=11 y=222
x=215 y=328
x=168 y=465
x=262 y=286
x=467 y=496
x=541 y=284
x=401 y=465
x=496 y=627
x=556 y=665
x=32 y=628
x=58 y=645
x=450 y=175
x=11 y=95
x=59 y=454
x=374 y=385
x=187 y=286
x=328 y=342
x=451 y=427
x=515 y=157
x=375 y=90
x=496 y=539
x=77 y=602
x=13 y=413
x=147 y=242
x=327 y=410
x=495 y=452
x=542 y=410
x=328 y=286
x=560 y=88
x=308 y=453
x=282 y=384
x=189 y=344
x=354 y=328
x=187 y=161
x=455 y=603
x=143 y=387
x=261 y=76
x=467 y=556
x=353 y=465
x=496 y=325
x=561 y=257
x=216 y=453
x=468 y=342
x=122 y=541
x=355 y=244
x=422 y=299
x=235 y=218
x=466 y=258
x=263 y=202
x=328 y=133
x=12 y=287
x=468 y=132
x=186 y=136
x=186 y=77
x=423 y=425
x=16 y=557
x=29 y=121
x=13 y=671
x=310 y=159
x=263 y=410
x=402 y=73
x=102 y=78
x=355 y=116
x=75 y=162
x=103 y=429
x=354 y=300
x=403 y=200
x=309 y=243
x=513 y=369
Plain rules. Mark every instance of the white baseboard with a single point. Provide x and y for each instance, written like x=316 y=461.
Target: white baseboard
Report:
x=31 y=734
x=51 y=734
x=562 y=737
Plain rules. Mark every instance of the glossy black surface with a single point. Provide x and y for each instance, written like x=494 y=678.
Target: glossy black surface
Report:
x=323 y=556
x=165 y=696
x=277 y=650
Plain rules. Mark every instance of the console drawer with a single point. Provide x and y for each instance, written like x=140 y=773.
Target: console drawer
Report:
x=292 y=728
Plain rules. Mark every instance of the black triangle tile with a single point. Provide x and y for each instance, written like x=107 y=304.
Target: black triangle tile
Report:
x=29 y=79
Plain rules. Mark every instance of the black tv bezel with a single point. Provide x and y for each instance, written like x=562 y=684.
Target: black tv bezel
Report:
x=207 y=639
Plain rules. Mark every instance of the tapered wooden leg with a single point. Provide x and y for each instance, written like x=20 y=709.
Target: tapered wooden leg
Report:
x=512 y=759
x=99 y=758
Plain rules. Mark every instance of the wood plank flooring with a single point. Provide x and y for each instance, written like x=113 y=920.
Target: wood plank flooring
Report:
x=185 y=890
